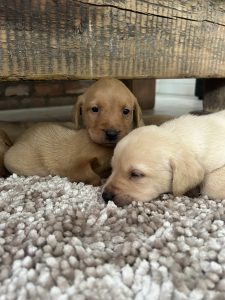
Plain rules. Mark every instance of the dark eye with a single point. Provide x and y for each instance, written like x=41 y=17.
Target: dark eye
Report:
x=135 y=174
x=95 y=109
x=126 y=111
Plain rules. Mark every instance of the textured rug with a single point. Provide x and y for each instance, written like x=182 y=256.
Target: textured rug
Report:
x=58 y=240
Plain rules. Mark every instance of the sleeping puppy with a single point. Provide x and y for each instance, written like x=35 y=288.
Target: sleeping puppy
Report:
x=108 y=110
x=51 y=149
x=5 y=143
x=176 y=157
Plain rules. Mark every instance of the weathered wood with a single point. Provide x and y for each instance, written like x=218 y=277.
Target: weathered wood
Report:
x=214 y=95
x=60 y=39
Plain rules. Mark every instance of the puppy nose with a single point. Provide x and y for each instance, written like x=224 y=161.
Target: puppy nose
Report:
x=107 y=196
x=111 y=134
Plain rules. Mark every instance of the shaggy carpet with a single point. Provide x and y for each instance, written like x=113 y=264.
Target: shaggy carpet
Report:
x=58 y=240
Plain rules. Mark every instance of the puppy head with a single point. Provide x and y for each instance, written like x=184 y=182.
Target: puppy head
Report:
x=108 y=110
x=148 y=162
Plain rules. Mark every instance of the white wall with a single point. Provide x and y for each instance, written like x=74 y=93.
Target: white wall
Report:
x=175 y=86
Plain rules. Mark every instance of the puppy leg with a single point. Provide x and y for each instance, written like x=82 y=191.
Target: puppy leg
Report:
x=214 y=184
x=84 y=174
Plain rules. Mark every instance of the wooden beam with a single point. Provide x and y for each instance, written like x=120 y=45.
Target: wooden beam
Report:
x=86 y=39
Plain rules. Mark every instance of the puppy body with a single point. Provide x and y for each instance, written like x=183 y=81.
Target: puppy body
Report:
x=15 y=129
x=175 y=157
x=203 y=135
x=53 y=149
x=108 y=111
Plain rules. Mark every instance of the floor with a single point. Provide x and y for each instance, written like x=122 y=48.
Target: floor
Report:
x=174 y=105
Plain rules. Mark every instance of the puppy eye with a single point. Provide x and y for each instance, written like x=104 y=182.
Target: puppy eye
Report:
x=95 y=109
x=135 y=174
x=126 y=111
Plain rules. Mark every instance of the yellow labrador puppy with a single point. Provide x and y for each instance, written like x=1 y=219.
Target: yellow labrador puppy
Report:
x=176 y=157
x=108 y=110
x=51 y=149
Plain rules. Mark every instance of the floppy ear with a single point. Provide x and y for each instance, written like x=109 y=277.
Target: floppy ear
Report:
x=187 y=173
x=137 y=115
x=77 y=112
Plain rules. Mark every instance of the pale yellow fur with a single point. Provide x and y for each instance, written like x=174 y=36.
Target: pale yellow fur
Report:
x=175 y=157
x=51 y=149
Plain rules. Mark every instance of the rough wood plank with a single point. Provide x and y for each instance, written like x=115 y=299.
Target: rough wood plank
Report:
x=61 y=39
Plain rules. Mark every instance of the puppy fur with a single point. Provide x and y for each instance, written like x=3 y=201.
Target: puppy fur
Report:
x=118 y=113
x=108 y=110
x=5 y=143
x=51 y=149
x=15 y=129
x=176 y=157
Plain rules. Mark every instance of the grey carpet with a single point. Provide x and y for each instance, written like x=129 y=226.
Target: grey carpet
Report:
x=58 y=240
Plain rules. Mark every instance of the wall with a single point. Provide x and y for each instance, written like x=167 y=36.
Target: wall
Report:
x=184 y=87
x=27 y=94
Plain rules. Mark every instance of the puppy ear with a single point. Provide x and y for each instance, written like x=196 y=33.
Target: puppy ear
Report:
x=77 y=112
x=137 y=115
x=187 y=173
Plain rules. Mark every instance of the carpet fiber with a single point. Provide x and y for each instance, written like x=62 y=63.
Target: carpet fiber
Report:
x=58 y=240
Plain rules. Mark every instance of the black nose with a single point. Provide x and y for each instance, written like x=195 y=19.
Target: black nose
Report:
x=111 y=134
x=107 y=196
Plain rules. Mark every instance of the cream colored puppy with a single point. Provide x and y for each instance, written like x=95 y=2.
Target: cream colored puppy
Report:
x=51 y=149
x=176 y=157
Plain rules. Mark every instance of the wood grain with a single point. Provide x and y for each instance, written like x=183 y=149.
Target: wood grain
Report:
x=68 y=39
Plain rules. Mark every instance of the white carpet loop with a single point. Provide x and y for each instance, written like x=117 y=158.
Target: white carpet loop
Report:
x=58 y=240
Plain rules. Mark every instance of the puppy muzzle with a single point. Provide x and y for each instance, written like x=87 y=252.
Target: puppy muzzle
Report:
x=107 y=196
x=111 y=135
